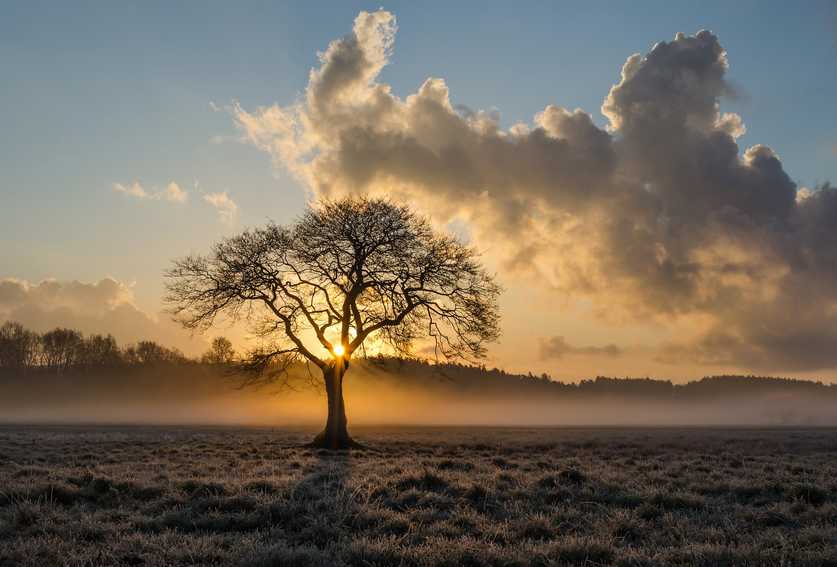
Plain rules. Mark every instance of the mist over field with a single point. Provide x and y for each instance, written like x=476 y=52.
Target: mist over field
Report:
x=397 y=392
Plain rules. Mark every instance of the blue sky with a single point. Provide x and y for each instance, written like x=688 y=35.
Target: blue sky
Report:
x=97 y=93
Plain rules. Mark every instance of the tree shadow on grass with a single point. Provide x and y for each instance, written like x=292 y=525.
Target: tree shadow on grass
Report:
x=318 y=510
x=311 y=522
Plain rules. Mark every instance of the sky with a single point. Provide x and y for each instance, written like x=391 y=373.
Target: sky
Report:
x=638 y=239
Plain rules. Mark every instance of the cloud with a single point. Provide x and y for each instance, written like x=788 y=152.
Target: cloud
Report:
x=133 y=190
x=172 y=193
x=558 y=347
x=226 y=207
x=660 y=215
x=105 y=306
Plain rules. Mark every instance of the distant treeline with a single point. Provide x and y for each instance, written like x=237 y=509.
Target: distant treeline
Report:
x=482 y=381
x=61 y=350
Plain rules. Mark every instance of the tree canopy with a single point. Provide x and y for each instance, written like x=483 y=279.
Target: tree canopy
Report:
x=345 y=272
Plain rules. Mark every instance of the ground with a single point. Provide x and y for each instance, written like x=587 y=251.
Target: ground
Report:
x=208 y=496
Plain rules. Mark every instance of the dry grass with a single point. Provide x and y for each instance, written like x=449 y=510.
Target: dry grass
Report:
x=192 y=496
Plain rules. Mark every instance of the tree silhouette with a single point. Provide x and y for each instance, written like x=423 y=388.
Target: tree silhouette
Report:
x=18 y=346
x=152 y=353
x=348 y=273
x=61 y=348
x=98 y=351
x=220 y=352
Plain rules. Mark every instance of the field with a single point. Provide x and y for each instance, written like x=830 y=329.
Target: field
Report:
x=255 y=496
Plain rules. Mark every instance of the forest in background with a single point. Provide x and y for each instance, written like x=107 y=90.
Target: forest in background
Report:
x=64 y=376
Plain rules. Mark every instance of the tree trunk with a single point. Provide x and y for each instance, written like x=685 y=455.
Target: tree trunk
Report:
x=335 y=435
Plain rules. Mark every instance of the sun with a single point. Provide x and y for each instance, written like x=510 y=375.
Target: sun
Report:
x=339 y=350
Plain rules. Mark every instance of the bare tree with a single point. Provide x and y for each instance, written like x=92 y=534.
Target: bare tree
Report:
x=18 y=346
x=348 y=273
x=61 y=348
x=152 y=353
x=99 y=351
x=220 y=352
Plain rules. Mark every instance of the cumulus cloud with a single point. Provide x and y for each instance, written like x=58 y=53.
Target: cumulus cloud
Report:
x=658 y=215
x=105 y=306
x=226 y=207
x=172 y=193
x=557 y=347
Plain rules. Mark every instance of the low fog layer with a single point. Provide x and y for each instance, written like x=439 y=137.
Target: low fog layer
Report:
x=406 y=393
